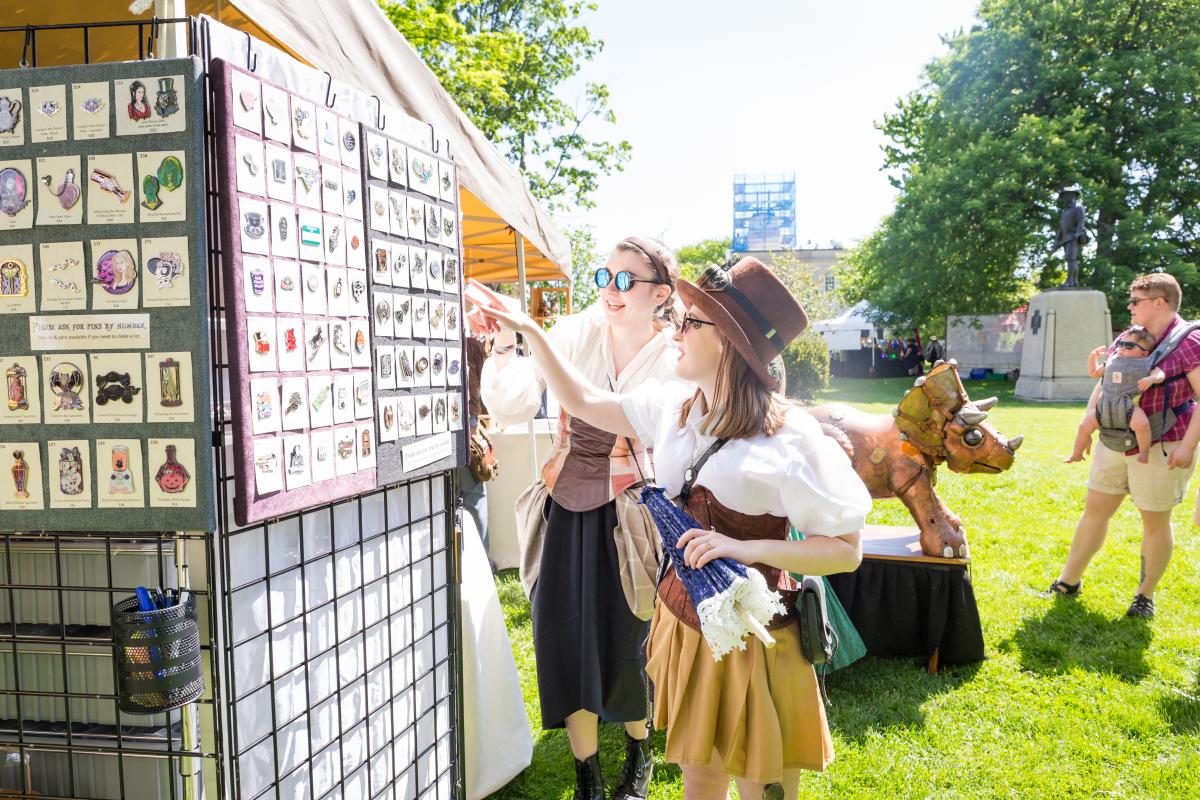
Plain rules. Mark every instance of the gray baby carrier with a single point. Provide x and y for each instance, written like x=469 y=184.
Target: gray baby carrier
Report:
x=1119 y=393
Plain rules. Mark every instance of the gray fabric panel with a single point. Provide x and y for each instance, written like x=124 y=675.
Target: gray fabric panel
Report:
x=172 y=329
x=389 y=467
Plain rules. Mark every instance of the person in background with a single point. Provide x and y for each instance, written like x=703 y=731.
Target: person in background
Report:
x=1155 y=487
x=586 y=637
x=935 y=352
x=912 y=357
x=474 y=490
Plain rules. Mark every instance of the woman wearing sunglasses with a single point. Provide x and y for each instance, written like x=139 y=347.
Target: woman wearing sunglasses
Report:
x=751 y=464
x=590 y=616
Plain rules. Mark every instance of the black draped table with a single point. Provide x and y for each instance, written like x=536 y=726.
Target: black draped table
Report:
x=905 y=603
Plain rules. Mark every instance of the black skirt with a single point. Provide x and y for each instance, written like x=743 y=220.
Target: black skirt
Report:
x=587 y=642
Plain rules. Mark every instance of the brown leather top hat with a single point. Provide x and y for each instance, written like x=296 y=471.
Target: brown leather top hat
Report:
x=752 y=308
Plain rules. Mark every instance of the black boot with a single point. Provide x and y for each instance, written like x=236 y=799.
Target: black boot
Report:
x=589 y=782
x=639 y=765
x=773 y=791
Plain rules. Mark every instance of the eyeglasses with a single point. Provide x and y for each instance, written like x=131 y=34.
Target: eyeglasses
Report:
x=693 y=323
x=1133 y=301
x=1132 y=345
x=625 y=280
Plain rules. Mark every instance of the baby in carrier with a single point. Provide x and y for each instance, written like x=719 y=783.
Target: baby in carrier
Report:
x=1114 y=402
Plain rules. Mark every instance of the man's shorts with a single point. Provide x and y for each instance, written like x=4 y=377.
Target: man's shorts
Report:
x=1151 y=487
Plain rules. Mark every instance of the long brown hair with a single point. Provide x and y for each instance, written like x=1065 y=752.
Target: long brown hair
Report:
x=662 y=261
x=741 y=407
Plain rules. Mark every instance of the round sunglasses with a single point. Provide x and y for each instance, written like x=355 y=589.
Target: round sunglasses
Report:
x=625 y=280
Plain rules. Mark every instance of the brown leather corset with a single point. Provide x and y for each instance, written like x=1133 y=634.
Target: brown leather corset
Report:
x=583 y=480
x=703 y=507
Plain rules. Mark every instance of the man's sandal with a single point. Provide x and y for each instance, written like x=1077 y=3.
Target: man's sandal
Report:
x=1142 y=607
x=1061 y=588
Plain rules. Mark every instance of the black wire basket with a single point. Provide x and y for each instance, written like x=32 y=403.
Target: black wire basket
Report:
x=158 y=656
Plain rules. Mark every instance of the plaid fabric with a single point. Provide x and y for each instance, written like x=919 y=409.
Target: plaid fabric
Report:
x=1172 y=394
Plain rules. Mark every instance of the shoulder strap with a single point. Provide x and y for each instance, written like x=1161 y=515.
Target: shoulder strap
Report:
x=689 y=477
x=1168 y=345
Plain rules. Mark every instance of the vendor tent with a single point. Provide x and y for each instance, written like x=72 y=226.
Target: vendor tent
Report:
x=847 y=330
x=357 y=45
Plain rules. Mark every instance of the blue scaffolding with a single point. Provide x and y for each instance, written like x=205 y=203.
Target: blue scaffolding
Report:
x=764 y=212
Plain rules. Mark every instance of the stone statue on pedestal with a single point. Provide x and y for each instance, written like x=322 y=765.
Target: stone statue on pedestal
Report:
x=1072 y=234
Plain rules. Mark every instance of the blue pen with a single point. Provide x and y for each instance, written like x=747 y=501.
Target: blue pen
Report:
x=146 y=603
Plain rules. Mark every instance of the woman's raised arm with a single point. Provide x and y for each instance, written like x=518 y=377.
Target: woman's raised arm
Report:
x=577 y=395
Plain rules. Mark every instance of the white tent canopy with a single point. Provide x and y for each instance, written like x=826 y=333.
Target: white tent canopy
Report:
x=847 y=330
x=353 y=43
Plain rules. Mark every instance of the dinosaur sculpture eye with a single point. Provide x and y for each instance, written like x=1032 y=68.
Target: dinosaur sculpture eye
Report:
x=973 y=437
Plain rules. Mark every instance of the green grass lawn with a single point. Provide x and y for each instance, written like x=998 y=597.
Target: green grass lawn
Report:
x=1073 y=701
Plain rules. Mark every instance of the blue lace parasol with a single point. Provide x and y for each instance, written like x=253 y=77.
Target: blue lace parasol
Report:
x=731 y=601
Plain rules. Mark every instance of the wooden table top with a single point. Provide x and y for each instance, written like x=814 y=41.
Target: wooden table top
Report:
x=900 y=543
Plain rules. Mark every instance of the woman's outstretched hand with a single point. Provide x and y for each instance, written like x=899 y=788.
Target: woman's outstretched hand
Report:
x=477 y=297
x=502 y=318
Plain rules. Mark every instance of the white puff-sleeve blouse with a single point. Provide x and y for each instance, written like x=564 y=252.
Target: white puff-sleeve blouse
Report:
x=513 y=392
x=798 y=473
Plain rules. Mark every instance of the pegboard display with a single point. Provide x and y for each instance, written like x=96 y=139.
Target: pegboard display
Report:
x=103 y=345
x=416 y=283
x=295 y=283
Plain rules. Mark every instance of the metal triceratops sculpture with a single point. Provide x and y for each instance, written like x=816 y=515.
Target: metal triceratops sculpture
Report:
x=897 y=456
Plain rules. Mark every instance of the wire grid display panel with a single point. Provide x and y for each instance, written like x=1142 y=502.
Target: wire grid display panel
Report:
x=60 y=724
x=339 y=640
x=342 y=672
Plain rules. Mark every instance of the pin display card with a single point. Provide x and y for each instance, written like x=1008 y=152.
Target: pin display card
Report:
x=104 y=327
x=301 y=367
x=416 y=307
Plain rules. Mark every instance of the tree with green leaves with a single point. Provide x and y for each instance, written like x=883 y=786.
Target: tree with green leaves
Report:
x=695 y=258
x=1036 y=96
x=503 y=62
x=586 y=258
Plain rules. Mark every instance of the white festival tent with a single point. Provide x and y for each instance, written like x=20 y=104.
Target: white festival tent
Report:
x=847 y=330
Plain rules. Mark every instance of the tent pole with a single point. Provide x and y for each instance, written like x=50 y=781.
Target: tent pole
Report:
x=173 y=43
x=519 y=243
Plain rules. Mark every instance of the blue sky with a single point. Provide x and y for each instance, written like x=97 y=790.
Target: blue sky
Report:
x=705 y=89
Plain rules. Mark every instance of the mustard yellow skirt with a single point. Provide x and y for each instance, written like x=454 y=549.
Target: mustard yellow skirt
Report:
x=760 y=709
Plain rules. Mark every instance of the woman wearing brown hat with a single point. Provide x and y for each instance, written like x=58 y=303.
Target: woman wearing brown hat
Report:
x=577 y=519
x=755 y=464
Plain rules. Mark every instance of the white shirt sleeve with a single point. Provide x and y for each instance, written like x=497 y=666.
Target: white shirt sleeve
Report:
x=820 y=490
x=513 y=392
x=648 y=406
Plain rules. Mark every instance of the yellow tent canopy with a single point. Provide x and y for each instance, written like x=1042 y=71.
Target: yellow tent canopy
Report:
x=355 y=43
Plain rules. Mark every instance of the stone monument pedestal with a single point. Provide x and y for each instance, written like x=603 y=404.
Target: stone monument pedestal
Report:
x=1062 y=327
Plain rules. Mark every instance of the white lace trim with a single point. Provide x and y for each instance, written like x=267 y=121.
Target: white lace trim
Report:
x=721 y=619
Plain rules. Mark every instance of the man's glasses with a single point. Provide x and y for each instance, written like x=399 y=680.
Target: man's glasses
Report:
x=1133 y=301
x=625 y=280
x=695 y=324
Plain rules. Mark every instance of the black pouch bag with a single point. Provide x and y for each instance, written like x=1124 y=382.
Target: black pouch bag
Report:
x=818 y=639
